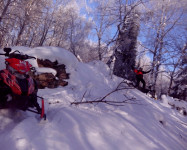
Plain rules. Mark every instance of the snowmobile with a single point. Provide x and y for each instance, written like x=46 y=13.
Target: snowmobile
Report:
x=18 y=90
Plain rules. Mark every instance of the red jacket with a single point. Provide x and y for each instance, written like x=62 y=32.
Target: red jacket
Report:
x=139 y=73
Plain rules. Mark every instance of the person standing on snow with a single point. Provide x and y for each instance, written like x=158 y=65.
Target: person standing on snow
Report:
x=139 y=76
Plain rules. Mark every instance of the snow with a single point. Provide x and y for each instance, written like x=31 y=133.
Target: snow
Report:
x=40 y=70
x=147 y=124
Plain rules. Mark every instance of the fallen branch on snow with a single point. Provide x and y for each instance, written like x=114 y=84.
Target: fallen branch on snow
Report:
x=119 y=87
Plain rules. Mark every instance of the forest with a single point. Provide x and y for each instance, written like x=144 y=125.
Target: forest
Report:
x=151 y=34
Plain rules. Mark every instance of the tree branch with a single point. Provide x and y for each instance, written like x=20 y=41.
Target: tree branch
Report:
x=109 y=102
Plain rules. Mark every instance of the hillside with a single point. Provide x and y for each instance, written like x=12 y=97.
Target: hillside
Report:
x=141 y=124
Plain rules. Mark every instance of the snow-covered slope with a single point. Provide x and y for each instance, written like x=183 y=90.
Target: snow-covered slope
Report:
x=146 y=124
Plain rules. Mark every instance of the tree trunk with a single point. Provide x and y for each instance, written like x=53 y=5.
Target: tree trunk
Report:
x=30 y=43
x=43 y=37
x=20 y=34
x=5 y=10
x=126 y=51
x=99 y=48
x=158 y=47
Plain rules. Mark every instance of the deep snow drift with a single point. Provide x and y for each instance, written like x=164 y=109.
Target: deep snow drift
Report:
x=146 y=124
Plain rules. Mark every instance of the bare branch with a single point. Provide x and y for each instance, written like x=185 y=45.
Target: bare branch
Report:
x=120 y=86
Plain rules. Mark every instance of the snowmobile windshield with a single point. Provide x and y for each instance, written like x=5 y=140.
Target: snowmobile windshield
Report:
x=21 y=66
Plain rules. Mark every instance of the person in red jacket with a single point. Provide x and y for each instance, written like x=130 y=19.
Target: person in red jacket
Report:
x=139 y=76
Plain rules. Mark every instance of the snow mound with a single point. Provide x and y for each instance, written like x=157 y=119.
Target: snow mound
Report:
x=54 y=53
x=141 y=123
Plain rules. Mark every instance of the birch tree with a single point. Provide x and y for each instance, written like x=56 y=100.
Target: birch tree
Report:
x=163 y=17
x=104 y=19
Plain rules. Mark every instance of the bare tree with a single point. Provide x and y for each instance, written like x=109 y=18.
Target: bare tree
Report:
x=163 y=19
x=77 y=32
x=5 y=19
x=122 y=17
x=104 y=19
x=4 y=8
x=179 y=80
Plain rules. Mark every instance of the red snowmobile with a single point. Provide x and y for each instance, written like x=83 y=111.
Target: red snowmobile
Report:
x=17 y=89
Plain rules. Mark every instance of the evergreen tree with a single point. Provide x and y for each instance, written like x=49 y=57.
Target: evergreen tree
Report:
x=179 y=89
x=125 y=52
